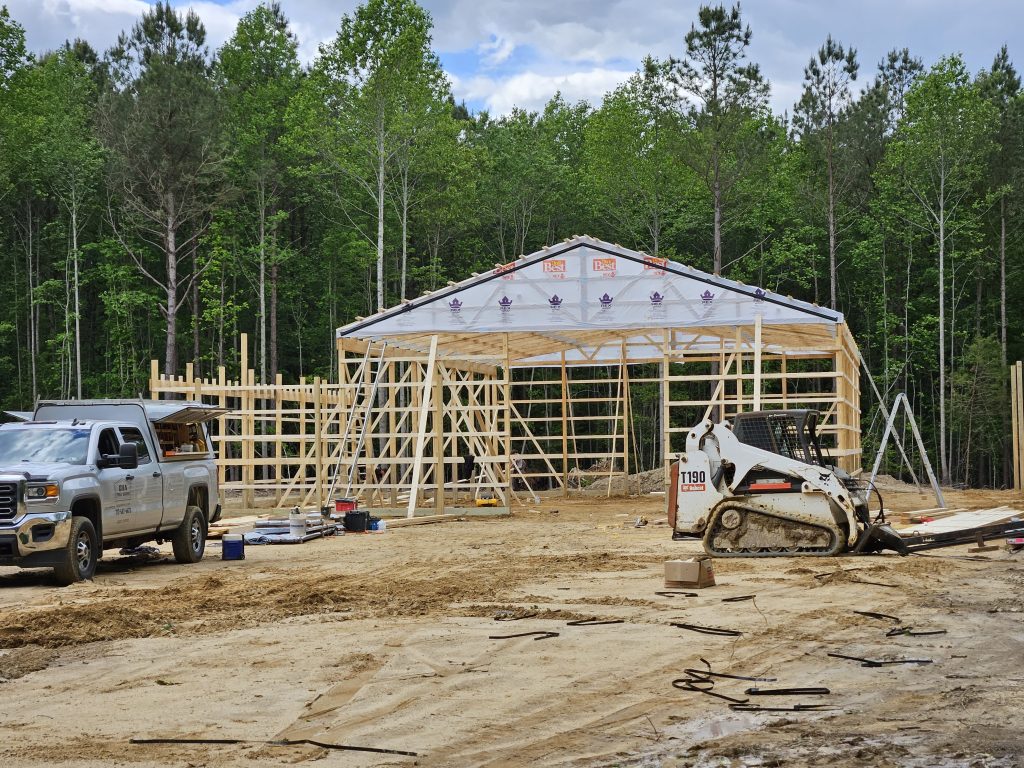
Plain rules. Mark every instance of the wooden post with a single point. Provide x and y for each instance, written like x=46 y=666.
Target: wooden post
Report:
x=666 y=391
x=739 y=371
x=392 y=468
x=1018 y=408
x=154 y=378
x=222 y=425
x=246 y=431
x=421 y=429
x=785 y=383
x=318 y=442
x=439 y=468
x=565 y=431
x=278 y=428
x=1014 y=396
x=757 y=362
x=507 y=392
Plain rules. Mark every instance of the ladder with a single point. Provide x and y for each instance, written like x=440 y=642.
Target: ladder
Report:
x=360 y=411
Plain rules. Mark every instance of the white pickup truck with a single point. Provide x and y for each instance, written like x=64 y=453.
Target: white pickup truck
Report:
x=81 y=476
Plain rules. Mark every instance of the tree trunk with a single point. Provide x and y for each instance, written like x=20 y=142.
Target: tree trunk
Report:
x=171 y=253
x=220 y=318
x=943 y=458
x=1007 y=469
x=273 y=322
x=832 y=276
x=78 y=312
x=1002 y=276
x=717 y=195
x=405 y=235
x=380 y=223
x=32 y=331
x=196 y=315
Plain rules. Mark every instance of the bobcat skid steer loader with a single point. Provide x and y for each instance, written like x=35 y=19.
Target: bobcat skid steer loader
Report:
x=760 y=487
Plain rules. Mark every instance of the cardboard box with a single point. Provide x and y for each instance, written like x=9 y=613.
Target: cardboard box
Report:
x=695 y=573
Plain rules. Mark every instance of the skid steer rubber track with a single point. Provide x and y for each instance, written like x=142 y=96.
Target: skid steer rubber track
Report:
x=743 y=530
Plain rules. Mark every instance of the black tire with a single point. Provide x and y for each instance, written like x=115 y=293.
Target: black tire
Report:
x=80 y=555
x=189 y=540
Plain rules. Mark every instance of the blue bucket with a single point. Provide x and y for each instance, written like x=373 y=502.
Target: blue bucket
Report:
x=232 y=547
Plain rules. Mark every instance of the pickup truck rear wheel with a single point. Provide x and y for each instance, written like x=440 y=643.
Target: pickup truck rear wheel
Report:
x=80 y=554
x=189 y=540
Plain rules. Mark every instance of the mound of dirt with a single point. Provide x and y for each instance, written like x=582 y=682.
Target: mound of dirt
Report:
x=639 y=484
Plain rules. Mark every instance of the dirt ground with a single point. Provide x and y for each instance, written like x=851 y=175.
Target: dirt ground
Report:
x=384 y=641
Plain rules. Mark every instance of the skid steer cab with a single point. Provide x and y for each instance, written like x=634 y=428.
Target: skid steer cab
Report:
x=760 y=486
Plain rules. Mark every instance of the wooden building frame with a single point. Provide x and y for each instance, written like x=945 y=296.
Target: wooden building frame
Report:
x=535 y=360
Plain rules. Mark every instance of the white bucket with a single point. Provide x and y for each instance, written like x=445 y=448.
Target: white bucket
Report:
x=297 y=524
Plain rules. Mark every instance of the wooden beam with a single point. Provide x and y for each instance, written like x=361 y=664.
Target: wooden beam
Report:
x=421 y=429
x=757 y=362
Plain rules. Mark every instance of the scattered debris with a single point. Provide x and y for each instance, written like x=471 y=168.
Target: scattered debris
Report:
x=593 y=622
x=880 y=616
x=787 y=691
x=513 y=616
x=540 y=635
x=880 y=663
x=794 y=708
x=280 y=743
x=909 y=632
x=708 y=630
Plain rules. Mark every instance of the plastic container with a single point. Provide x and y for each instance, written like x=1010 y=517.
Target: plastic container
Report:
x=232 y=547
x=344 y=505
x=356 y=522
x=297 y=524
x=382 y=525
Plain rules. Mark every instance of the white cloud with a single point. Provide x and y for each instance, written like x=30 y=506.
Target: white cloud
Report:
x=585 y=47
x=496 y=50
x=531 y=90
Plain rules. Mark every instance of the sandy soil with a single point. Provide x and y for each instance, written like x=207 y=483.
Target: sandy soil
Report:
x=383 y=641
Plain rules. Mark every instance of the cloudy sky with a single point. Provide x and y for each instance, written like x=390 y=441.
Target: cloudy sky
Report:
x=505 y=53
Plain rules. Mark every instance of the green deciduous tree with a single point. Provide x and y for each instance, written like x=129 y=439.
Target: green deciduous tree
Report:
x=720 y=91
x=931 y=174
x=354 y=115
x=259 y=72
x=631 y=142
x=816 y=119
x=160 y=124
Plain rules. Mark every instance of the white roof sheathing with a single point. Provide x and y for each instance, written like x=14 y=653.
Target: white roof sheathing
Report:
x=586 y=297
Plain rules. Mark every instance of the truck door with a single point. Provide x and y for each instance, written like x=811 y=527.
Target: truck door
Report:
x=147 y=487
x=115 y=488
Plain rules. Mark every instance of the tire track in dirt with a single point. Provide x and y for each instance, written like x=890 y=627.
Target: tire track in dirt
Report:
x=221 y=601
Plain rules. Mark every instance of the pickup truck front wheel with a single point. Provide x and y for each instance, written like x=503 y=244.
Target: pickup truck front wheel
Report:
x=189 y=541
x=80 y=554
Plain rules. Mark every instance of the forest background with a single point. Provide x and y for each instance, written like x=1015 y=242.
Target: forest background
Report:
x=158 y=199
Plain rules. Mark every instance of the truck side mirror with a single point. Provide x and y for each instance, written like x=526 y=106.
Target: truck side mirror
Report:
x=128 y=456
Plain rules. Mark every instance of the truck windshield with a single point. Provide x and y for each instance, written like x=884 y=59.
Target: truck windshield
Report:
x=66 y=446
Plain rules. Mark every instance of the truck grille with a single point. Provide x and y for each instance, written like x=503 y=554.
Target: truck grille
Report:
x=8 y=501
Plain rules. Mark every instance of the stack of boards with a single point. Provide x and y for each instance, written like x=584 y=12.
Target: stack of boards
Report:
x=943 y=520
x=311 y=525
x=276 y=530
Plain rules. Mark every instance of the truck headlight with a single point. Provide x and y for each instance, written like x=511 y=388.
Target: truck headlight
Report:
x=42 y=492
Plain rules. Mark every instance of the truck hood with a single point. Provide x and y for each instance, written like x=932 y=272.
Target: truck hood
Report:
x=37 y=470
